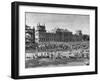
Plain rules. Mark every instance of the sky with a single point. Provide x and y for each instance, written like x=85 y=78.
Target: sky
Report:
x=72 y=22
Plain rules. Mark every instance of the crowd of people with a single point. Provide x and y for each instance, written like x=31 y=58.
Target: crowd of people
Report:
x=61 y=47
x=61 y=50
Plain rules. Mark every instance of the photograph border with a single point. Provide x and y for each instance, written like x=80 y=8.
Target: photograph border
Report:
x=15 y=39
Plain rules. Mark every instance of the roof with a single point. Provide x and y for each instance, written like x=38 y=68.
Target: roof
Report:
x=60 y=30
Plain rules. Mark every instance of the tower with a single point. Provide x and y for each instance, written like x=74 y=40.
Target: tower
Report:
x=79 y=35
x=41 y=28
x=79 y=32
x=39 y=34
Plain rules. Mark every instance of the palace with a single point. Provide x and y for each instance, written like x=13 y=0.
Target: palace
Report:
x=57 y=35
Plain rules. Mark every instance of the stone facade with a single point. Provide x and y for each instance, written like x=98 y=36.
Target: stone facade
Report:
x=58 y=35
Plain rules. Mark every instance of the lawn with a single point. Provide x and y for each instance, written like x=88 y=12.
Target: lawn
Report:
x=72 y=54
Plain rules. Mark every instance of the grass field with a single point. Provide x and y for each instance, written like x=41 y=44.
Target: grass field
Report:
x=72 y=54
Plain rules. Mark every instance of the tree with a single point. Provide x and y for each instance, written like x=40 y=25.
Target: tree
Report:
x=85 y=37
x=28 y=37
